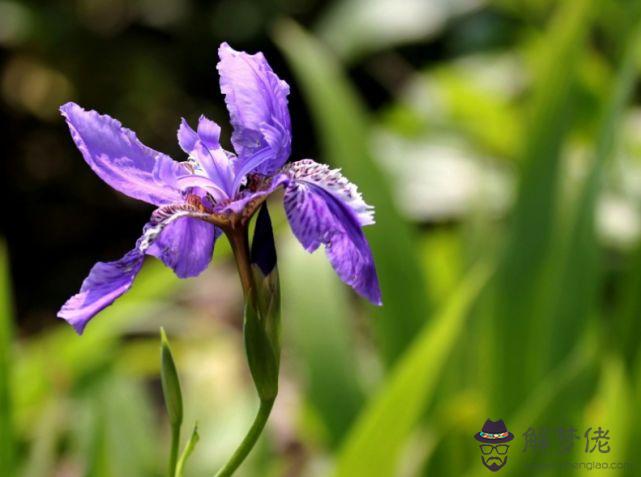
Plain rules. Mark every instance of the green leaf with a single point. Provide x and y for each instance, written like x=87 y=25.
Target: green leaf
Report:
x=520 y=276
x=580 y=275
x=613 y=409
x=626 y=330
x=342 y=125
x=565 y=378
x=41 y=460
x=126 y=411
x=372 y=448
x=7 y=443
x=189 y=448
x=317 y=304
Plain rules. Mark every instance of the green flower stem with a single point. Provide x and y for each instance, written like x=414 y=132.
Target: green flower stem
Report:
x=175 y=443
x=240 y=246
x=249 y=441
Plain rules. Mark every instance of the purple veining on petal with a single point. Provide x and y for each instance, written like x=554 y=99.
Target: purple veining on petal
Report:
x=106 y=282
x=334 y=182
x=208 y=132
x=257 y=102
x=322 y=206
x=109 y=280
x=186 y=246
x=248 y=165
x=117 y=156
x=318 y=216
x=187 y=137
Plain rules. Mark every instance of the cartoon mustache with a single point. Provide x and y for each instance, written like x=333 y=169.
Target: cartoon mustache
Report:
x=489 y=460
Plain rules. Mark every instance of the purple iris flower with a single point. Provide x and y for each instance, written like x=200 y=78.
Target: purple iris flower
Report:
x=214 y=189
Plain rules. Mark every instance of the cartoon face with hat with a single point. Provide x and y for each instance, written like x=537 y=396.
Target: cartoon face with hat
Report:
x=494 y=438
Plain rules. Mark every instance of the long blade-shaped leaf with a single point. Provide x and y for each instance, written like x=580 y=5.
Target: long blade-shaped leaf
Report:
x=566 y=376
x=519 y=276
x=373 y=446
x=342 y=125
x=318 y=307
x=189 y=448
x=577 y=291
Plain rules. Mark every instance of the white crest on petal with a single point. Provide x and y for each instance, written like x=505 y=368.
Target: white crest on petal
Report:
x=161 y=218
x=333 y=181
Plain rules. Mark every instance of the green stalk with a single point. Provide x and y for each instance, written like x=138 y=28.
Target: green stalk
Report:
x=175 y=443
x=262 y=352
x=249 y=441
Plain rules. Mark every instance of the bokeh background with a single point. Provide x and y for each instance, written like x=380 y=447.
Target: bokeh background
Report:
x=500 y=142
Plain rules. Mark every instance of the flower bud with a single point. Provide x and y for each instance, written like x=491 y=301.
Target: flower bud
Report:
x=263 y=354
x=170 y=383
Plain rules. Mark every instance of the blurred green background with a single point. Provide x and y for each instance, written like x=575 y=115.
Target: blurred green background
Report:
x=500 y=142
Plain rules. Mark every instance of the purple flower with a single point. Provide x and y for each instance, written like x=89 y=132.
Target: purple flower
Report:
x=214 y=189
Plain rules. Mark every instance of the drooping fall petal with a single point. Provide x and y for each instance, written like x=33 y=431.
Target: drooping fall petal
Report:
x=186 y=246
x=307 y=170
x=107 y=281
x=318 y=215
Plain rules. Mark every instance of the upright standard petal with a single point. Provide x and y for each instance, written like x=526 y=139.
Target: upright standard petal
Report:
x=107 y=281
x=257 y=103
x=206 y=153
x=318 y=216
x=117 y=156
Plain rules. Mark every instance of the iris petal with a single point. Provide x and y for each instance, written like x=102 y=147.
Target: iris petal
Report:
x=334 y=182
x=106 y=282
x=257 y=102
x=117 y=156
x=242 y=200
x=186 y=246
x=203 y=147
x=183 y=246
x=317 y=217
x=187 y=137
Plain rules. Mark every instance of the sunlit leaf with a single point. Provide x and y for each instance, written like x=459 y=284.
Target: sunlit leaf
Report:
x=519 y=278
x=189 y=448
x=316 y=308
x=373 y=445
